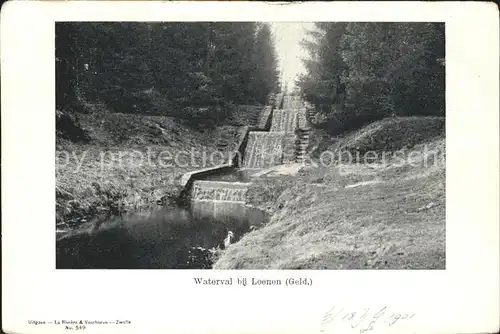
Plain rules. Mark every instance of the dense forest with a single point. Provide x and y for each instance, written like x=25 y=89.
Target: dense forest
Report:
x=169 y=69
x=357 y=72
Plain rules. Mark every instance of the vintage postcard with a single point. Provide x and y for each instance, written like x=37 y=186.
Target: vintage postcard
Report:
x=250 y=167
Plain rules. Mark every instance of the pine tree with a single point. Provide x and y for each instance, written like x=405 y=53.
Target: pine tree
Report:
x=164 y=68
x=360 y=72
x=265 y=76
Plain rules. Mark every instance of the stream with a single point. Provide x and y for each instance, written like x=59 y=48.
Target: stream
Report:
x=164 y=238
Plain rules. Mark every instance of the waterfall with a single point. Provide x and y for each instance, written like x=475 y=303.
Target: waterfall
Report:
x=219 y=191
x=301 y=119
x=264 y=149
x=284 y=121
x=292 y=102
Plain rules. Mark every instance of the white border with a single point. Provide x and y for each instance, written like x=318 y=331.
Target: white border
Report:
x=462 y=299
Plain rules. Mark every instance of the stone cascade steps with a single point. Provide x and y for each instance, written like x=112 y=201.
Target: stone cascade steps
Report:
x=288 y=148
x=303 y=134
x=302 y=122
x=302 y=144
x=311 y=114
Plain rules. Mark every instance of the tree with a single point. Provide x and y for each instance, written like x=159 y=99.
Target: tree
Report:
x=164 y=68
x=366 y=71
x=264 y=70
x=321 y=84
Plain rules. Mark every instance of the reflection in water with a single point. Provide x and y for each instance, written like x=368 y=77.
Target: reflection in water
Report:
x=159 y=239
x=220 y=210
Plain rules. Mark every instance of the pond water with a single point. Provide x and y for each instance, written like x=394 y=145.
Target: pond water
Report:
x=166 y=238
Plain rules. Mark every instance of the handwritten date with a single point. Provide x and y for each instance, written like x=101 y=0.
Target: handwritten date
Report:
x=365 y=319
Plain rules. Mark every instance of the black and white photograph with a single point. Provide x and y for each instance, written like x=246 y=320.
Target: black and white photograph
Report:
x=250 y=145
x=241 y=167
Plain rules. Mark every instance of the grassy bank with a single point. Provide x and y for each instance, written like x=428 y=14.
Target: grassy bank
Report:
x=131 y=162
x=351 y=216
x=386 y=135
